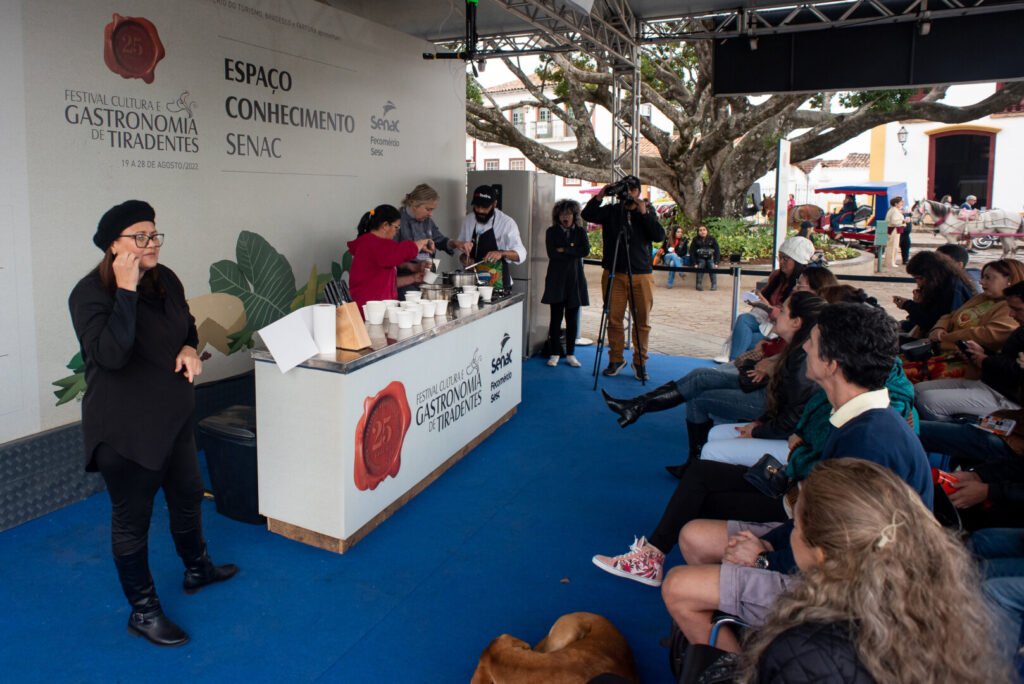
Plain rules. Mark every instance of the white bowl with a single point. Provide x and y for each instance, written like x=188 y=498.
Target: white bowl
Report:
x=413 y=296
x=428 y=306
x=465 y=300
x=440 y=307
x=429 y=277
x=485 y=292
x=405 y=319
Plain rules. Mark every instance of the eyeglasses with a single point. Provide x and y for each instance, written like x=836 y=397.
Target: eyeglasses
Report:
x=143 y=239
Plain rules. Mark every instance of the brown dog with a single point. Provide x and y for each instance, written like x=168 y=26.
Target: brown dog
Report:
x=579 y=647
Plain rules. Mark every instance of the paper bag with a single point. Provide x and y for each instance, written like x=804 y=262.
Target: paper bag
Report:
x=350 y=329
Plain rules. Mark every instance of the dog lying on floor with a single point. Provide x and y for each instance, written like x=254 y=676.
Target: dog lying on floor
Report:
x=579 y=647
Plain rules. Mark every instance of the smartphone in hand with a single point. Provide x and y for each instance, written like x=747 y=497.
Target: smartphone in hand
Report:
x=962 y=346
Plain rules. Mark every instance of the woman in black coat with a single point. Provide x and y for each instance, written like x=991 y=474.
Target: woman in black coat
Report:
x=138 y=342
x=704 y=254
x=565 y=286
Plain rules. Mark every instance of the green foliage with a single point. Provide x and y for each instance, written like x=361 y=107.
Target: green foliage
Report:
x=473 y=91
x=877 y=100
x=735 y=235
x=596 y=238
x=262 y=278
x=73 y=385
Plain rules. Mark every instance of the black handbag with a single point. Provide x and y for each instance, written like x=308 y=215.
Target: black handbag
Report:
x=748 y=384
x=768 y=476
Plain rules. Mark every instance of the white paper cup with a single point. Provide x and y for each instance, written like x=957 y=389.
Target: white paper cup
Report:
x=408 y=304
x=428 y=306
x=476 y=297
x=376 y=315
x=393 y=314
x=469 y=288
x=405 y=319
x=465 y=300
x=440 y=307
x=485 y=292
x=390 y=302
x=413 y=296
x=417 y=314
x=429 y=277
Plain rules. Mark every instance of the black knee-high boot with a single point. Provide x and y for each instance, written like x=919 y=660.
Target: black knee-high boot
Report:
x=658 y=399
x=199 y=569
x=697 y=437
x=147 y=618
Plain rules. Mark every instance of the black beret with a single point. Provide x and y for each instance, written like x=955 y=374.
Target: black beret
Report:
x=120 y=217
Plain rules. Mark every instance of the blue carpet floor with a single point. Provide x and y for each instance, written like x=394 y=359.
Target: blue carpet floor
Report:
x=500 y=544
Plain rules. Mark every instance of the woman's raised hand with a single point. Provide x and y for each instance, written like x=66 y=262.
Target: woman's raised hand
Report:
x=126 y=271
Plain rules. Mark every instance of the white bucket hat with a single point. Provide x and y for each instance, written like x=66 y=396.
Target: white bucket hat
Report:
x=799 y=249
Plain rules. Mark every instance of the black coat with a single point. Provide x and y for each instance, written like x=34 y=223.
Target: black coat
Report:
x=794 y=390
x=645 y=231
x=565 y=282
x=708 y=242
x=134 y=401
x=812 y=653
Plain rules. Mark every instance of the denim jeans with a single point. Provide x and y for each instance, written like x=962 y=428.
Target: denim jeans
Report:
x=1006 y=596
x=675 y=261
x=715 y=392
x=1001 y=549
x=964 y=442
x=746 y=333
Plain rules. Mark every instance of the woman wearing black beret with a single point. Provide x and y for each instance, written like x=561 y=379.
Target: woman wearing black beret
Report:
x=138 y=343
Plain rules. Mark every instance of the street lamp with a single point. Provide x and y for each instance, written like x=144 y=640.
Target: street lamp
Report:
x=902 y=136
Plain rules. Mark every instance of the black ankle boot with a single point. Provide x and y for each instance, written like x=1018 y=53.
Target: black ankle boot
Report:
x=658 y=399
x=147 y=618
x=697 y=437
x=199 y=569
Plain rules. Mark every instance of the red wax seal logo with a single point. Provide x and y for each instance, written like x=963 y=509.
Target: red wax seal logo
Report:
x=379 y=436
x=132 y=47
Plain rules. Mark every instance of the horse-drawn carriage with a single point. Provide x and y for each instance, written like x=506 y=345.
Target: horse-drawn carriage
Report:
x=979 y=228
x=852 y=223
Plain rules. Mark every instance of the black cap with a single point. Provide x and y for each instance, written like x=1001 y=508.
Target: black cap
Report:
x=120 y=217
x=484 y=196
x=631 y=181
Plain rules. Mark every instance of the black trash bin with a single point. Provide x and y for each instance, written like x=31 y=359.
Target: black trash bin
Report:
x=229 y=440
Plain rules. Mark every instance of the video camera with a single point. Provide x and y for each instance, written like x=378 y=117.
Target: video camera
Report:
x=622 y=187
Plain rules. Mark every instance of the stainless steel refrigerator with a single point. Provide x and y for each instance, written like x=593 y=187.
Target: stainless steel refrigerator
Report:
x=526 y=196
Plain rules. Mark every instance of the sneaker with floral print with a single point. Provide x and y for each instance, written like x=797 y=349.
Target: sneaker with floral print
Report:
x=642 y=564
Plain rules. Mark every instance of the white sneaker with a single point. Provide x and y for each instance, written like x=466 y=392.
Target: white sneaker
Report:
x=553 y=361
x=572 y=361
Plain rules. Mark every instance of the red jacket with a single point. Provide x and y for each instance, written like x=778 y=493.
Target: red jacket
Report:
x=373 y=275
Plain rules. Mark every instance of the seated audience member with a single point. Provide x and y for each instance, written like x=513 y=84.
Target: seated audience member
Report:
x=1001 y=551
x=961 y=257
x=984 y=318
x=788 y=391
x=815 y=279
x=794 y=254
x=942 y=287
x=875 y=568
x=1001 y=377
x=850 y=354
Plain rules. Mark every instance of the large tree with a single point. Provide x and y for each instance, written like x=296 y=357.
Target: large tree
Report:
x=722 y=144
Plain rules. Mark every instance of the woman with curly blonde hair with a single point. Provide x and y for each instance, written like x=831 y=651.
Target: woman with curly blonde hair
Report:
x=888 y=595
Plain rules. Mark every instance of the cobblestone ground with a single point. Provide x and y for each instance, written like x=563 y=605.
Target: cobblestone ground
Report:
x=685 y=322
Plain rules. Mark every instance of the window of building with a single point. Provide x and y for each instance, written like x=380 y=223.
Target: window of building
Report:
x=645 y=111
x=519 y=119
x=544 y=124
x=470 y=165
x=572 y=182
x=518 y=164
x=491 y=165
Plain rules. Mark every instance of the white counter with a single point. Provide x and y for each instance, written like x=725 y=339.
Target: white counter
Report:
x=329 y=430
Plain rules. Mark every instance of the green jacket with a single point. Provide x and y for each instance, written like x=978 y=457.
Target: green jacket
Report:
x=814 y=426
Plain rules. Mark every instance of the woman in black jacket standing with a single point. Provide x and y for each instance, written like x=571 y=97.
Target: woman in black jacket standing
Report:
x=704 y=254
x=138 y=343
x=565 y=286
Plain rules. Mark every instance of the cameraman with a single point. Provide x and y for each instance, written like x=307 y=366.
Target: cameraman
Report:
x=645 y=230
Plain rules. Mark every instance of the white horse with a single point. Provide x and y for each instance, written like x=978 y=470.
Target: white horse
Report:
x=956 y=226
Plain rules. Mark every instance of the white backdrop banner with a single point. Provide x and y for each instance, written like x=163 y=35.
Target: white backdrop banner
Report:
x=260 y=131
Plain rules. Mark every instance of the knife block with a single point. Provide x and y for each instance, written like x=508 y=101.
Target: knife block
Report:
x=349 y=328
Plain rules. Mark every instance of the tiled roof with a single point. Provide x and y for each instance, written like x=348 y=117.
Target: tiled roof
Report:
x=512 y=86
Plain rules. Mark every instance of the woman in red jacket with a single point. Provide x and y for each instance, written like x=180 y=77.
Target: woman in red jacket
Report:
x=375 y=256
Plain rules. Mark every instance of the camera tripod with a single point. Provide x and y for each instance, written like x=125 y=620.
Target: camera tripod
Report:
x=621 y=241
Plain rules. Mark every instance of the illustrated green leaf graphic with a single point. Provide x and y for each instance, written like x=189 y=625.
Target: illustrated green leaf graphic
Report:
x=336 y=270
x=71 y=387
x=310 y=297
x=262 y=279
x=76 y=363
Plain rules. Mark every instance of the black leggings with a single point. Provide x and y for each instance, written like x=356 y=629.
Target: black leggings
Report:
x=710 y=489
x=132 y=489
x=555 y=327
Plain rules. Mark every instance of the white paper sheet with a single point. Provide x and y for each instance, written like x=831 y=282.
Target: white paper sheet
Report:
x=325 y=327
x=290 y=339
